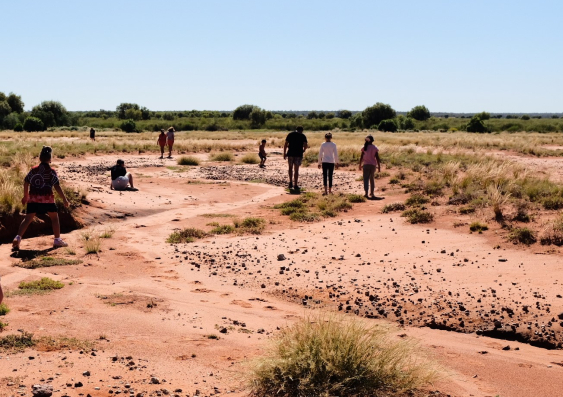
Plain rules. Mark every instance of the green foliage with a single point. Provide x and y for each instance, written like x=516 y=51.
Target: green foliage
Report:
x=332 y=355
x=11 y=120
x=45 y=284
x=405 y=123
x=243 y=112
x=416 y=199
x=133 y=114
x=375 y=114
x=522 y=235
x=15 y=102
x=250 y=158
x=128 y=126
x=312 y=115
x=387 y=126
x=483 y=115
x=257 y=117
x=417 y=215
x=47 y=261
x=478 y=227
x=223 y=229
x=222 y=157
x=188 y=160
x=4 y=309
x=122 y=108
x=393 y=207
x=188 y=235
x=356 y=198
x=33 y=124
x=525 y=117
x=51 y=113
x=420 y=113
x=251 y=225
x=17 y=342
x=344 y=114
x=5 y=110
x=475 y=125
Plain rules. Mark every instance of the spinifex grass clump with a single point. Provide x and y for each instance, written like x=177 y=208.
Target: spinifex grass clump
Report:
x=522 y=235
x=4 y=309
x=223 y=229
x=251 y=225
x=92 y=241
x=416 y=199
x=188 y=235
x=188 y=160
x=393 y=207
x=17 y=342
x=416 y=215
x=250 y=159
x=478 y=227
x=356 y=198
x=334 y=355
x=48 y=261
x=45 y=284
x=222 y=157
x=311 y=207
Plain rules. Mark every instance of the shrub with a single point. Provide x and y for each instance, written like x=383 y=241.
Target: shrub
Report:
x=522 y=235
x=330 y=355
x=416 y=215
x=128 y=126
x=420 y=113
x=387 y=126
x=344 y=114
x=478 y=227
x=45 y=284
x=475 y=125
x=4 y=309
x=32 y=124
x=373 y=115
x=243 y=112
x=553 y=203
x=553 y=233
x=393 y=207
x=15 y=102
x=250 y=159
x=51 y=113
x=18 y=127
x=484 y=115
x=356 y=198
x=122 y=109
x=188 y=235
x=92 y=242
x=250 y=225
x=416 y=199
x=48 y=261
x=223 y=229
x=301 y=216
x=525 y=117
x=222 y=157
x=188 y=160
x=467 y=210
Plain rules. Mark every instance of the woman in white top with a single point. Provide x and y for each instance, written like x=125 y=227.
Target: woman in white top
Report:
x=170 y=141
x=328 y=159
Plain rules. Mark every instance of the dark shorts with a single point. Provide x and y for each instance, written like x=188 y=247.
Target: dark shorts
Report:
x=294 y=161
x=41 y=208
x=262 y=156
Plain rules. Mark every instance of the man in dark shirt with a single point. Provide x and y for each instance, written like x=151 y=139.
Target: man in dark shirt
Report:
x=120 y=178
x=295 y=146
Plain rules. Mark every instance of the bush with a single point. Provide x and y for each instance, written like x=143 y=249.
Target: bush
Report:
x=188 y=235
x=32 y=124
x=420 y=113
x=222 y=157
x=18 y=127
x=15 y=102
x=416 y=199
x=188 y=160
x=128 y=126
x=250 y=159
x=331 y=355
x=475 y=125
x=45 y=284
x=51 y=113
x=478 y=227
x=356 y=198
x=416 y=215
x=122 y=109
x=522 y=235
x=484 y=115
x=243 y=112
x=393 y=207
x=223 y=229
x=373 y=115
x=257 y=118
x=250 y=225
x=4 y=309
x=387 y=126
x=344 y=114
x=525 y=117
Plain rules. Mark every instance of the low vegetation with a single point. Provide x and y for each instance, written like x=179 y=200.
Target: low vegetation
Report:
x=250 y=225
x=17 y=342
x=92 y=241
x=250 y=158
x=188 y=235
x=393 y=207
x=4 y=309
x=45 y=284
x=522 y=235
x=222 y=157
x=188 y=160
x=48 y=261
x=310 y=207
x=478 y=227
x=417 y=215
x=333 y=355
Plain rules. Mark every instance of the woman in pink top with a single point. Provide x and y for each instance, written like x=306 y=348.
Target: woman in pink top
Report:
x=370 y=159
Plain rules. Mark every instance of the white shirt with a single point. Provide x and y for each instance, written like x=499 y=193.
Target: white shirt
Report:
x=328 y=153
x=170 y=135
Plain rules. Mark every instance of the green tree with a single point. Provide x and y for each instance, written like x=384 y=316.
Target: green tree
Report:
x=122 y=108
x=329 y=116
x=5 y=110
x=257 y=118
x=15 y=102
x=525 y=117
x=375 y=114
x=405 y=123
x=357 y=121
x=387 y=126
x=3 y=97
x=33 y=124
x=128 y=126
x=312 y=115
x=18 y=127
x=51 y=113
x=243 y=112
x=475 y=125
x=420 y=113
x=322 y=115
x=133 y=114
x=484 y=115
x=344 y=114
x=146 y=113
x=11 y=120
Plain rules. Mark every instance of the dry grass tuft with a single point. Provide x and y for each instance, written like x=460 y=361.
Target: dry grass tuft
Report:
x=188 y=235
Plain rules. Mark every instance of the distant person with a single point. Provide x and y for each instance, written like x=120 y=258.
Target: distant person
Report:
x=38 y=197
x=162 y=143
x=370 y=160
x=170 y=141
x=93 y=134
x=120 y=178
x=262 y=153
x=328 y=160
x=293 y=150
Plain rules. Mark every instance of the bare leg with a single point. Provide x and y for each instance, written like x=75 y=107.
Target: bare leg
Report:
x=290 y=174
x=161 y=151
x=131 y=181
x=169 y=150
x=25 y=224
x=296 y=175
x=55 y=222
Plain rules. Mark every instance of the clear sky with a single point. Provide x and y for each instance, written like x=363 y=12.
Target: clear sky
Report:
x=450 y=55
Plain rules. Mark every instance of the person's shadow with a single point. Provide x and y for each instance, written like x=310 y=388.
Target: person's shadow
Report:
x=27 y=255
x=295 y=191
x=376 y=198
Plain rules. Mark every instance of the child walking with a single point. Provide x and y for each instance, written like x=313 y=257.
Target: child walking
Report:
x=328 y=160
x=370 y=159
x=262 y=153
x=162 y=143
x=39 y=198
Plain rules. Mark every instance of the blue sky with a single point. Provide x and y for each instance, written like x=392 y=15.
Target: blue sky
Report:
x=456 y=55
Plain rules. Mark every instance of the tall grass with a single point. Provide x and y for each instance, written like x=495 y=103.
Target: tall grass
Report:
x=332 y=355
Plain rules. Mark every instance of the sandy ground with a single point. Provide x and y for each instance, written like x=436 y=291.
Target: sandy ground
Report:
x=184 y=319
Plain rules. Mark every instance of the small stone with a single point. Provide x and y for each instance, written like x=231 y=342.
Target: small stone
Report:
x=42 y=390
x=155 y=381
x=281 y=257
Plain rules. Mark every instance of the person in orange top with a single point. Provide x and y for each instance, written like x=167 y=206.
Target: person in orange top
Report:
x=162 y=143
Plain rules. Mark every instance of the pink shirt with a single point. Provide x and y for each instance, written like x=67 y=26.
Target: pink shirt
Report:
x=369 y=155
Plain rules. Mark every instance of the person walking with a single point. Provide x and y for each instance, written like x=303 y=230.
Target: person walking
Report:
x=328 y=160
x=370 y=160
x=170 y=141
x=293 y=150
x=162 y=143
x=93 y=134
x=38 y=197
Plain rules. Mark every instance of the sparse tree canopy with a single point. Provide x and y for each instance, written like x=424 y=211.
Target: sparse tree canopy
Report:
x=15 y=102
x=375 y=114
x=32 y=124
x=5 y=110
x=419 y=113
x=122 y=108
x=51 y=113
x=243 y=112
x=312 y=115
x=525 y=117
x=257 y=118
x=387 y=126
x=475 y=125
x=146 y=113
x=484 y=115
x=128 y=126
x=344 y=114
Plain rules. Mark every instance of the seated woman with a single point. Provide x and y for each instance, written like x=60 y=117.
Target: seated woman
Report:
x=120 y=178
